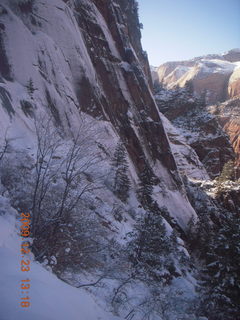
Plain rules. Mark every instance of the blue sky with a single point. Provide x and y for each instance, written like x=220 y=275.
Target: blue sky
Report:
x=183 y=29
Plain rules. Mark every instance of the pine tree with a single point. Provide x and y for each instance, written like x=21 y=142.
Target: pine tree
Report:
x=145 y=187
x=221 y=276
x=25 y=5
x=150 y=249
x=227 y=172
x=121 y=183
x=189 y=87
x=30 y=87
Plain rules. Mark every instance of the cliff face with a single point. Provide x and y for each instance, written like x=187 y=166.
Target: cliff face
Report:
x=76 y=59
x=122 y=78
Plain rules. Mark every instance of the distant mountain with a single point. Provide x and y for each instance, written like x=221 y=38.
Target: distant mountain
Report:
x=216 y=77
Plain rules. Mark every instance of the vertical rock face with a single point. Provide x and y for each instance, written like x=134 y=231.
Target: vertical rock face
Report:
x=120 y=66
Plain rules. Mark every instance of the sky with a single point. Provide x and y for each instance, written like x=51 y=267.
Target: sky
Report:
x=183 y=29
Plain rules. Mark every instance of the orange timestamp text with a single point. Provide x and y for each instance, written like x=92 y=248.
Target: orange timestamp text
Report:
x=25 y=220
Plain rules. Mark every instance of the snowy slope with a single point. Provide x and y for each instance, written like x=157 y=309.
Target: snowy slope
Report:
x=51 y=298
x=205 y=68
x=187 y=159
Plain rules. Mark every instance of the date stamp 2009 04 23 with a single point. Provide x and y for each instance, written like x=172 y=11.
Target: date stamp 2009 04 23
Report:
x=25 y=263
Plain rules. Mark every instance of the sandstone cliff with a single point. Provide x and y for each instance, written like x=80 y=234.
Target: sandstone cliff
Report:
x=214 y=76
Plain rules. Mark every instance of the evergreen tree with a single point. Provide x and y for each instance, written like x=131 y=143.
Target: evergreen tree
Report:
x=121 y=183
x=189 y=87
x=227 y=172
x=200 y=233
x=145 y=187
x=151 y=248
x=25 y=5
x=221 y=276
x=30 y=87
x=202 y=100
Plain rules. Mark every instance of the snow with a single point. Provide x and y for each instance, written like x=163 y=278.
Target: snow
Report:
x=177 y=73
x=18 y=129
x=50 y=297
x=216 y=66
x=178 y=207
x=174 y=199
x=186 y=158
x=202 y=68
x=154 y=69
x=236 y=74
x=237 y=50
x=205 y=67
x=126 y=66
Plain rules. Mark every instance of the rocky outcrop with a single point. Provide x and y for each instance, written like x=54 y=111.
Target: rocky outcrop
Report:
x=229 y=198
x=187 y=160
x=232 y=128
